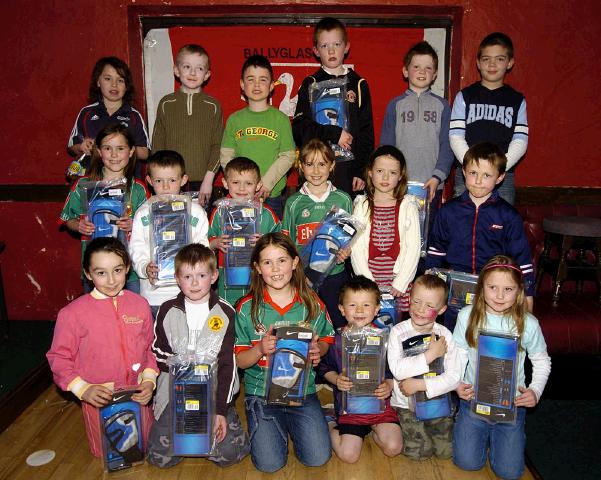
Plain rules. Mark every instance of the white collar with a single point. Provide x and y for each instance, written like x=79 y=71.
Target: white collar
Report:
x=305 y=191
x=330 y=72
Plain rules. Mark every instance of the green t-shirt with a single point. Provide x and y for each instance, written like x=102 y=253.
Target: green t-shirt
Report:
x=303 y=212
x=260 y=136
x=247 y=336
x=73 y=208
x=267 y=223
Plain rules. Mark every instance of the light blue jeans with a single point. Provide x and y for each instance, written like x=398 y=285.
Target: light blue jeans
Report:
x=506 y=189
x=504 y=442
x=270 y=425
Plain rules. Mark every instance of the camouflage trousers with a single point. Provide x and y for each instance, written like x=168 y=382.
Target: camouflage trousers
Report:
x=234 y=447
x=422 y=439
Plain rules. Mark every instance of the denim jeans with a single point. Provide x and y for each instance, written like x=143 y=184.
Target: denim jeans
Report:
x=504 y=442
x=270 y=425
x=506 y=188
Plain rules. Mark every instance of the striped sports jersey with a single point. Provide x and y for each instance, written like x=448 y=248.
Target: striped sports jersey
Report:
x=304 y=211
x=270 y=313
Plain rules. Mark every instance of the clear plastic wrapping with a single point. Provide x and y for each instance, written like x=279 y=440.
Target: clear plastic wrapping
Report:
x=289 y=366
x=169 y=218
x=337 y=230
x=462 y=287
x=240 y=219
x=423 y=204
x=496 y=373
x=390 y=311
x=330 y=107
x=427 y=408
x=364 y=361
x=104 y=203
x=122 y=430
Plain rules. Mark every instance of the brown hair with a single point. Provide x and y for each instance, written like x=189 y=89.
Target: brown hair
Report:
x=401 y=188
x=194 y=254
x=314 y=147
x=487 y=151
x=108 y=245
x=497 y=38
x=299 y=282
x=240 y=165
x=432 y=282
x=421 y=48
x=517 y=312
x=192 y=48
x=360 y=284
x=94 y=93
x=96 y=164
x=166 y=158
x=327 y=24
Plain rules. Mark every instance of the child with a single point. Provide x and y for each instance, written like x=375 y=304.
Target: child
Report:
x=306 y=208
x=330 y=45
x=190 y=122
x=260 y=132
x=279 y=292
x=499 y=306
x=111 y=95
x=490 y=111
x=359 y=304
x=114 y=158
x=167 y=175
x=387 y=251
x=423 y=438
x=102 y=340
x=242 y=178
x=417 y=123
x=471 y=228
x=195 y=272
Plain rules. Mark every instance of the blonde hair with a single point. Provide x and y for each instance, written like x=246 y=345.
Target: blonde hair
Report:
x=517 y=312
x=298 y=281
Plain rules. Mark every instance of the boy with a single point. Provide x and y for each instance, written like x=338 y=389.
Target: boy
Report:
x=359 y=303
x=423 y=438
x=195 y=272
x=167 y=175
x=330 y=45
x=260 y=132
x=479 y=224
x=243 y=180
x=417 y=123
x=490 y=111
x=190 y=122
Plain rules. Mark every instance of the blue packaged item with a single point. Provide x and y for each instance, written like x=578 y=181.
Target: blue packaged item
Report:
x=121 y=430
x=289 y=365
x=192 y=406
x=240 y=221
x=462 y=287
x=427 y=408
x=169 y=218
x=329 y=106
x=389 y=314
x=337 y=230
x=364 y=361
x=495 y=385
x=423 y=206
x=104 y=203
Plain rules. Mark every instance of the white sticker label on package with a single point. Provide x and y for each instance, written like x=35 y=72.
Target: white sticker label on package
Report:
x=113 y=192
x=248 y=212
x=168 y=236
x=305 y=335
x=175 y=206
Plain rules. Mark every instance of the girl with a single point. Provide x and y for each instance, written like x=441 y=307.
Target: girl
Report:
x=114 y=158
x=111 y=94
x=102 y=340
x=499 y=306
x=278 y=292
x=388 y=249
x=306 y=208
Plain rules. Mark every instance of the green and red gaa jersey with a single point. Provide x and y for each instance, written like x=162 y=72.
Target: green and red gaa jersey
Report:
x=248 y=336
x=304 y=211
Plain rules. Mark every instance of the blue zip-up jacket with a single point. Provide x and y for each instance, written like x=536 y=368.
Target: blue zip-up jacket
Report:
x=464 y=237
x=418 y=125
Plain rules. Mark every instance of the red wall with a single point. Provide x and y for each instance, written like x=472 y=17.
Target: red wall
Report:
x=50 y=48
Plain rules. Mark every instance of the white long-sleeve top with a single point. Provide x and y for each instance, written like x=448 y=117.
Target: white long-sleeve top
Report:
x=139 y=249
x=409 y=238
x=403 y=366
